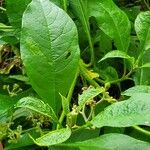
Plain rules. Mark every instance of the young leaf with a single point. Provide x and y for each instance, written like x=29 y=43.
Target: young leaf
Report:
x=146 y=65
x=112 y=141
x=112 y=21
x=118 y=54
x=88 y=95
x=38 y=106
x=65 y=104
x=134 y=111
x=53 y=137
x=49 y=50
x=142 y=27
x=137 y=89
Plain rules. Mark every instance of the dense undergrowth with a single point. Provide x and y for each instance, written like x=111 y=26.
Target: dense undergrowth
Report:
x=75 y=74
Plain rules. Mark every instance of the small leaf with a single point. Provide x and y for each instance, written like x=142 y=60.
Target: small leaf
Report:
x=88 y=95
x=92 y=74
x=134 y=111
x=136 y=90
x=118 y=54
x=53 y=137
x=142 y=27
x=146 y=65
x=65 y=104
x=112 y=141
x=37 y=105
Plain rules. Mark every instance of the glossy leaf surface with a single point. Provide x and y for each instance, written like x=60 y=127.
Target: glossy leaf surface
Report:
x=49 y=49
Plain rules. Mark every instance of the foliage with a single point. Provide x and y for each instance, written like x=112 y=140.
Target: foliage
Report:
x=74 y=74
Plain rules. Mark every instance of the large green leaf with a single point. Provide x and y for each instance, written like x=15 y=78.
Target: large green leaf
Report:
x=49 y=50
x=112 y=21
x=134 y=111
x=37 y=105
x=142 y=27
x=112 y=141
x=53 y=137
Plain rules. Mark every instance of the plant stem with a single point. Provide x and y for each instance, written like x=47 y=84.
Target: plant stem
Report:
x=6 y=27
x=142 y=130
x=146 y=4
x=64 y=2
x=68 y=98
x=3 y=9
x=88 y=124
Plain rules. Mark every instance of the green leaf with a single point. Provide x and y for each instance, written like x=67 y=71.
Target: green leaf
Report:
x=79 y=9
x=146 y=65
x=15 y=11
x=65 y=104
x=134 y=111
x=137 y=89
x=49 y=49
x=112 y=141
x=53 y=137
x=118 y=54
x=142 y=27
x=112 y=21
x=38 y=106
x=6 y=103
x=88 y=95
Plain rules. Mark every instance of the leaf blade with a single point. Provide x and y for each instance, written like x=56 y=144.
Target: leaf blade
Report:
x=133 y=111
x=112 y=141
x=48 y=43
x=37 y=105
x=53 y=137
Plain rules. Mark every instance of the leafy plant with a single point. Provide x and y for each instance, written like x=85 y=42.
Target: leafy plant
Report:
x=74 y=74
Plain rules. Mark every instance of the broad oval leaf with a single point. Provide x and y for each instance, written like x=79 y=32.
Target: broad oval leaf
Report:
x=37 y=105
x=88 y=95
x=112 y=141
x=53 y=137
x=49 y=50
x=118 y=54
x=112 y=21
x=134 y=111
x=137 y=89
